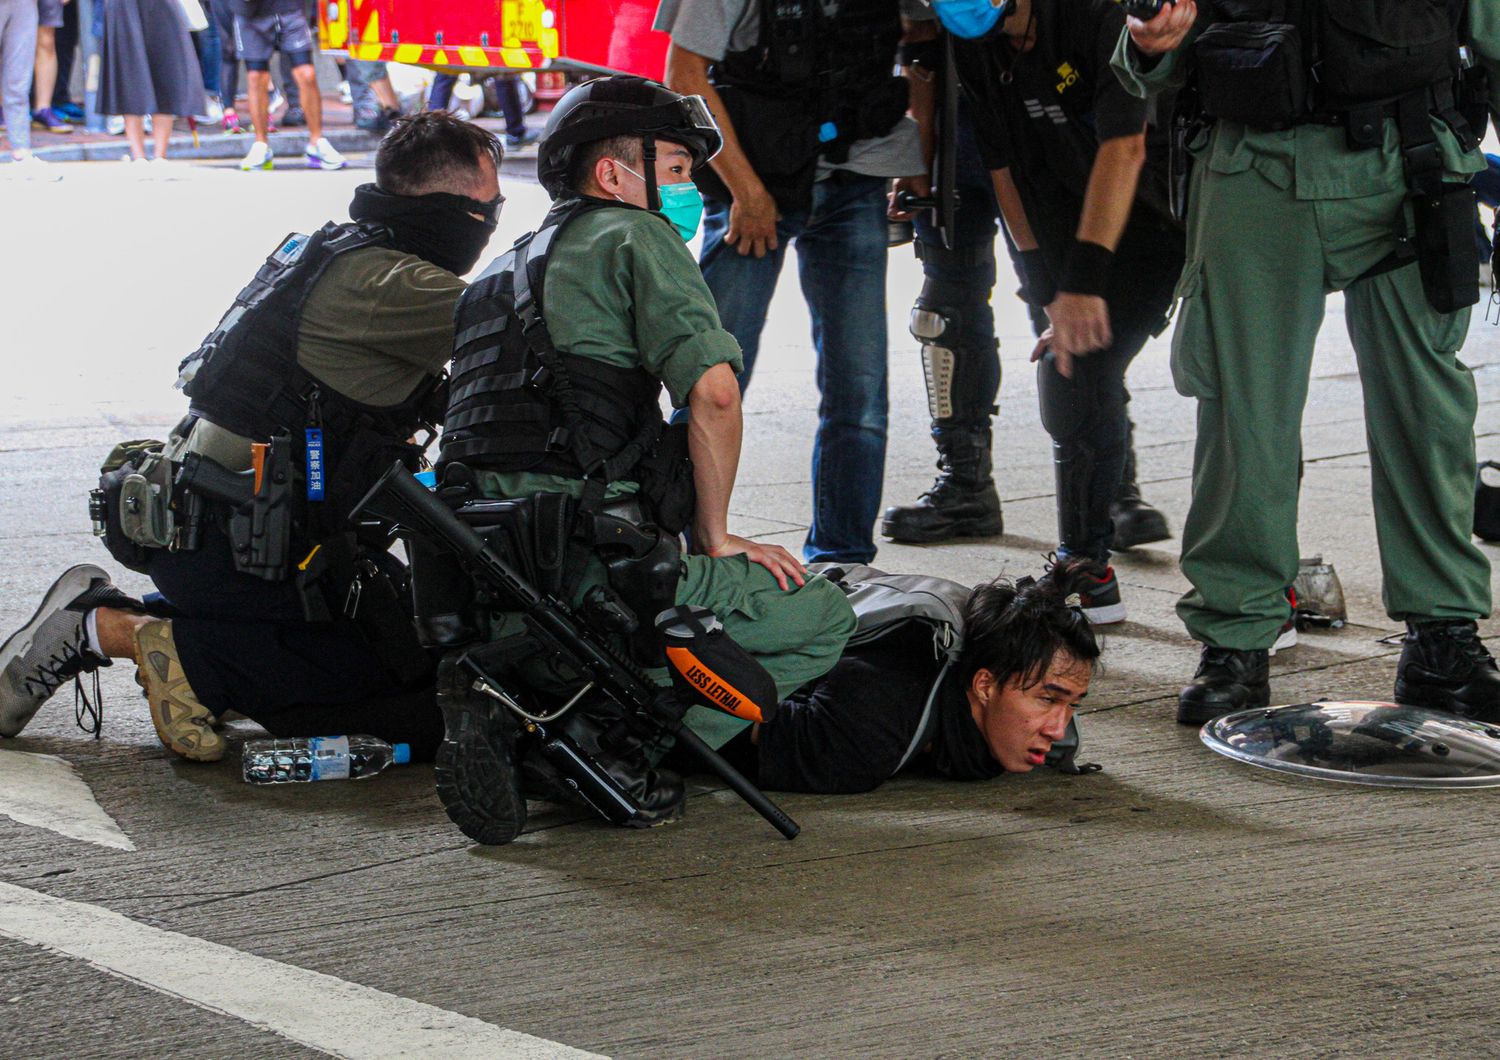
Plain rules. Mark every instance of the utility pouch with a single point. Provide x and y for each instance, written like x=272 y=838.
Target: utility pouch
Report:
x=1446 y=251
x=107 y=505
x=1254 y=73
x=666 y=478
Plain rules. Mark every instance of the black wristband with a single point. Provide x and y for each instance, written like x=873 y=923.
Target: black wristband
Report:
x=1087 y=270
x=1036 y=282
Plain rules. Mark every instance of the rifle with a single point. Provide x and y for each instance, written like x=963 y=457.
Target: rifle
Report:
x=400 y=499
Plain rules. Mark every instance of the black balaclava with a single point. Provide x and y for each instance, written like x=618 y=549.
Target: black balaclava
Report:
x=435 y=227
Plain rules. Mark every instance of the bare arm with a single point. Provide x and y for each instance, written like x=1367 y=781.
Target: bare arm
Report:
x=715 y=430
x=1011 y=209
x=1111 y=191
x=752 y=215
x=1080 y=314
x=714 y=433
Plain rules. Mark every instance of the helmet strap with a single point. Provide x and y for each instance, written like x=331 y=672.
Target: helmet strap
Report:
x=648 y=167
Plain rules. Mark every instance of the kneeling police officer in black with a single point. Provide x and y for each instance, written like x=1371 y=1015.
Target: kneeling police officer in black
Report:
x=318 y=377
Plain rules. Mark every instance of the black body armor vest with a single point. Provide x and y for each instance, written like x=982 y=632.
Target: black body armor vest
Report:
x=802 y=50
x=813 y=84
x=1277 y=63
x=245 y=376
x=516 y=403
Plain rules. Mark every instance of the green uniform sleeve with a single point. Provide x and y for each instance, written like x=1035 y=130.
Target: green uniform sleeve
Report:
x=1484 y=34
x=377 y=323
x=1145 y=78
x=677 y=328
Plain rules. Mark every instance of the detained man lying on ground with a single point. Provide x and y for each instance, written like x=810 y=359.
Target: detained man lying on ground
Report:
x=900 y=701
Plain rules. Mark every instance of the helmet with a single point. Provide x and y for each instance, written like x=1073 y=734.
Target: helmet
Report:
x=623 y=106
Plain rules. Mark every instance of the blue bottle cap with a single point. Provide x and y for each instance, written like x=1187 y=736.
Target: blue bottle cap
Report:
x=401 y=754
x=827 y=131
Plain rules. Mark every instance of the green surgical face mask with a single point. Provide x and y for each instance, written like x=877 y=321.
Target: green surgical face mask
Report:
x=682 y=204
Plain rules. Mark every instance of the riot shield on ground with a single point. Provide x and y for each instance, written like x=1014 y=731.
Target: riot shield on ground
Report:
x=1379 y=744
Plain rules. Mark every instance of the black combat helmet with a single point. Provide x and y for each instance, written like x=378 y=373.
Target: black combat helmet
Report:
x=623 y=106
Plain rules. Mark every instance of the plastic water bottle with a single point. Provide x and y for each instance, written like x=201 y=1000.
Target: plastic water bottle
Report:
x=304 y=758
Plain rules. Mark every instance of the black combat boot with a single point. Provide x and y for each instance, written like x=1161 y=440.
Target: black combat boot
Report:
x=477 y=780
x=1227 y=680
x=962 y=501
x=1445 y=666
x=1136 y=522
x=601 y=730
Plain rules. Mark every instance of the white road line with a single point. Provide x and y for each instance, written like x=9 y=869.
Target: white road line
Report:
x=43 y=791
x=312 y=1009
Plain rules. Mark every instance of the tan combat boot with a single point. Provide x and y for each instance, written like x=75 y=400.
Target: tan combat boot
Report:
x=185 y=725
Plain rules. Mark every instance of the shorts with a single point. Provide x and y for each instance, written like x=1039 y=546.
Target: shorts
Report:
x=49 y=13
x=258 y=37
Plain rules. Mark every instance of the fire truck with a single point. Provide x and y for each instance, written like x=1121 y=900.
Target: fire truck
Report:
x=482 y=37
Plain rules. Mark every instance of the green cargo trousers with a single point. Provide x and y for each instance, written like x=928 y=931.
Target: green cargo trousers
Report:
x=1261 y=262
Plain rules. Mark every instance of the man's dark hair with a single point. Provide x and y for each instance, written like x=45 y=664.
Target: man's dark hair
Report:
x=626 y=148
x=1017 y=630
x=432 y=151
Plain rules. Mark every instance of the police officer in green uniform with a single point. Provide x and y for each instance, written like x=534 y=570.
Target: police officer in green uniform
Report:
x=563 y=347
x=1345 y=175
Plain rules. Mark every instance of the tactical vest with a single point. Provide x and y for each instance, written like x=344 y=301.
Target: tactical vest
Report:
x=1277 y=63
x=812 y=85
x=802 y=49
x=245 y=376
x=517 y=403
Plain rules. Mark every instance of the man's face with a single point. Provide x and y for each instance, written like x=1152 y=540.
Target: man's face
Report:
x=1020 y=725
x=674 y=165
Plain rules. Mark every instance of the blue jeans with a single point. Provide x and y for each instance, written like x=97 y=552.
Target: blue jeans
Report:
x=841 y=263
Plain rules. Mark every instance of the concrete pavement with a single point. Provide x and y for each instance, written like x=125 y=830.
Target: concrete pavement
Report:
x=1176 y=904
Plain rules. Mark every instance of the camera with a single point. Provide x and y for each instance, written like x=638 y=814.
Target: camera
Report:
x=1145 y=10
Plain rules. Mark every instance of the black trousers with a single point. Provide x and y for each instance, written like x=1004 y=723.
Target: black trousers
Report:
x=245 y=646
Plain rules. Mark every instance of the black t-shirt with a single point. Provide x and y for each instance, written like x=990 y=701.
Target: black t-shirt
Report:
x=847 y=731
x=1044 y=112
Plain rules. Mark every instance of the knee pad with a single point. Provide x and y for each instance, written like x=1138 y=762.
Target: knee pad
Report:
x=951 y=345
x=939 y=362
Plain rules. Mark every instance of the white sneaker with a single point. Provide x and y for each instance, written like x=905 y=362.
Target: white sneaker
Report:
x=165 y=169
x=323 y=155
x=114 y=125
x=346 y=94
x=30 y=167
x=259 y=156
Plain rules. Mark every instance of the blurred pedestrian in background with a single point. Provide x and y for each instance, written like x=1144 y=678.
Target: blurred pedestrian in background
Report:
x=18 y=21
x=50 y=20
x=148 y=66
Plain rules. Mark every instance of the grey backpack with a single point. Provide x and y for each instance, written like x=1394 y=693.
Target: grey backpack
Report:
x=884 y=603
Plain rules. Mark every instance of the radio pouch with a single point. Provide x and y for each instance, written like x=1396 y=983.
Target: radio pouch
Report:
x=1254 y=72
x=1446 y=250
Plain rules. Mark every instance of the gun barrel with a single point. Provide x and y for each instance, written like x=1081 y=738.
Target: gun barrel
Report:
x=739 y=783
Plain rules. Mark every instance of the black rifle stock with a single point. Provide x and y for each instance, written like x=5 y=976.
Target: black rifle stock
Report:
x=399 y=498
